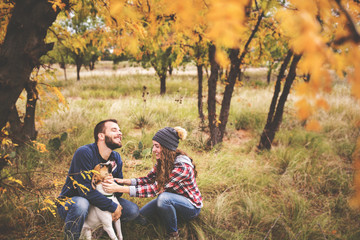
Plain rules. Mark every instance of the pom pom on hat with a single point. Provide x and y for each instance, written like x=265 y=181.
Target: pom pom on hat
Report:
x=182 y=133
x=169 y=137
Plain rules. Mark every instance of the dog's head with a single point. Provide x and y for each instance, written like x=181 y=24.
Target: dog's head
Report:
x=102 y=171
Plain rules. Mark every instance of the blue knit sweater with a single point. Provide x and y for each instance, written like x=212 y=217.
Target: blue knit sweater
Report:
x=84 y=160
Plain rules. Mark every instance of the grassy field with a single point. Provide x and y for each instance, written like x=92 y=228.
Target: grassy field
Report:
x=298 y=190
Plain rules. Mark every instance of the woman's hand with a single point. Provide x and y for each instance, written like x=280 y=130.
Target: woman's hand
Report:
x=110 y=186
x=109 y=179
x=114 y=187
x=123 y=181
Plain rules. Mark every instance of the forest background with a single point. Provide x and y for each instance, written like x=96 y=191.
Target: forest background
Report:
x=268 y=91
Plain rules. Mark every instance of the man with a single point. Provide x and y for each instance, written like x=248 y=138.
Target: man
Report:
x=77 y=193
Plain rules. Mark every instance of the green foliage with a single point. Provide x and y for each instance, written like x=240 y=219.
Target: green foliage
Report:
x=249 y=120
x=55 y=143
x=140 y=152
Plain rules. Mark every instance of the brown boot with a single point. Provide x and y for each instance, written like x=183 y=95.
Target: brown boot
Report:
x=173 y=236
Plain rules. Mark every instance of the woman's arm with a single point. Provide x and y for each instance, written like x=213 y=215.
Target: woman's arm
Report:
x=114 y=187
x=123 y=181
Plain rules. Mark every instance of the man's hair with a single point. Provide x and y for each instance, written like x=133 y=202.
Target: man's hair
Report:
x=100 y=127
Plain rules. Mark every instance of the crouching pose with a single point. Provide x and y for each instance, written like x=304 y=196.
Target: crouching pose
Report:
x=77 y=193
x=172 y=179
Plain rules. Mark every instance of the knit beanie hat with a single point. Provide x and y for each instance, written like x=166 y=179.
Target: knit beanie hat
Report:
x=169 y=137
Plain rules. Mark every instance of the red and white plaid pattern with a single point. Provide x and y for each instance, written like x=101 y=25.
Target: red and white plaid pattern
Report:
x=182 y=181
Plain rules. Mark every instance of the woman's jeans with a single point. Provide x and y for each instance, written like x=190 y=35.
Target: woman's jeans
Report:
x=77 y=210
x=169 y=206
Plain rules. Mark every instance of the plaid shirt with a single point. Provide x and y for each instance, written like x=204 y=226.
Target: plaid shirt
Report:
x=182 y=181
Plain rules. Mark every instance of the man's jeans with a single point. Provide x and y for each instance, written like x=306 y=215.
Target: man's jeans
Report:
x=77 y=210
x=169 y=206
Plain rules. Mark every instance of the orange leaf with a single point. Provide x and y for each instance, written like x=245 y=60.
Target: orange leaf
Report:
x=313 y=125
x=322 y=103
x=304 y=109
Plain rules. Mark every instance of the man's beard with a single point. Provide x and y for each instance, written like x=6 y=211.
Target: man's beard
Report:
x=111 y=144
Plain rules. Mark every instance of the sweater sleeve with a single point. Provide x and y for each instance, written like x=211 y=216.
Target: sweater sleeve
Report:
x=148 y=178
x=144 y=186
x=83 y=162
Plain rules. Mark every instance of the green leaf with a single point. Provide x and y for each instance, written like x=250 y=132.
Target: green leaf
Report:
x=64 y=136
x=12 y=155
x=55 y=143
x=140 y=146
x=137 y=154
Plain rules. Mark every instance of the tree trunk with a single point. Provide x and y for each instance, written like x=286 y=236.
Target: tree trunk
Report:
x=16 y=126
x=212 y=82
x=274 y=121
x=78 y=62
x=22 y=132
x=22 y=48
x=29 y=120
x=161 y=71
x=200 y=90
x=65 y=72
x=236 y=61
x=170 y=69
x=268 y=77
x=162 y=83
x=92 y=62
x=264 y=140
x=229 y=89
x=63 y=65
x=278 y=86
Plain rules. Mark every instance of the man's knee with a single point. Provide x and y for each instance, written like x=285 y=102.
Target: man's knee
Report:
x=130 y=212
x=81 y=205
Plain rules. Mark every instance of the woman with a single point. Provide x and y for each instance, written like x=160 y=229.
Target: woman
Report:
x=172 y=179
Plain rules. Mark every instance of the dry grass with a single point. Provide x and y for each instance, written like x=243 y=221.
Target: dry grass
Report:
x=298 y=190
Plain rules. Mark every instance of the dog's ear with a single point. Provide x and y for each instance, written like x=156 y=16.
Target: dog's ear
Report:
x=95 y=178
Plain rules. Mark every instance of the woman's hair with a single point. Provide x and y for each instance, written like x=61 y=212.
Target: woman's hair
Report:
x=165 y=165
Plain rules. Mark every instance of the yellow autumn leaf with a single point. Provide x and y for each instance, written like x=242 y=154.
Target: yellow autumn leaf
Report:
x=48 y=201
x=133 y=46
x=227 y=25
x=12 y=179
x=222 y=58
x=57 y=4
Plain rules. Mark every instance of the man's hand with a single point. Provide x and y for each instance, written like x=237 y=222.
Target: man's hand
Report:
x=117 y=214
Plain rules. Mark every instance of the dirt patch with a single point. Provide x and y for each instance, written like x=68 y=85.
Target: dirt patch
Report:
x=238 y=137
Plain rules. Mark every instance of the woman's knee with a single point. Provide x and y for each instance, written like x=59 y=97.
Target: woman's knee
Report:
x=164 y=199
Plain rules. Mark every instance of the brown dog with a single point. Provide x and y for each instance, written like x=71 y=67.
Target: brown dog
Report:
x=102 y=170
x=96 y=216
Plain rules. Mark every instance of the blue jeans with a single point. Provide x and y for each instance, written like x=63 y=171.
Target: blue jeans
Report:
x=77 y=210
x=170 y=206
